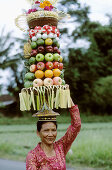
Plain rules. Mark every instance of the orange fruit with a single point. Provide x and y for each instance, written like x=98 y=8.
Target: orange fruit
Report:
x=56 y=72
x=48 y=73
x=39 y=74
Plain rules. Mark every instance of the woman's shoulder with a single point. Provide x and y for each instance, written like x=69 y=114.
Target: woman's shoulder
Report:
x=34 y=151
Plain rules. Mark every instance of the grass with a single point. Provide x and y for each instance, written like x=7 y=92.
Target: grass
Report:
x=64 y=118
x=92 y=147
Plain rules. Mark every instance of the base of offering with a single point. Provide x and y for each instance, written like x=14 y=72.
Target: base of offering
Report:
x=48 y=96
x=42 y=21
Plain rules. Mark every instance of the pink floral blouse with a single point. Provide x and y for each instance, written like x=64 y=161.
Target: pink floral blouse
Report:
x=36 y=158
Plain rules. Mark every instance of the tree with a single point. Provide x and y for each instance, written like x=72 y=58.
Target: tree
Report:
x=11 y=59
x=85 y=66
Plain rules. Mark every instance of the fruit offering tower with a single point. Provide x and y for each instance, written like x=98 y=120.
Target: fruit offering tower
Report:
x=44 y=84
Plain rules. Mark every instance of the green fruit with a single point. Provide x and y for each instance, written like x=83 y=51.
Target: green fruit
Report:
x=58 y=45
x=32 y=60
x=63 y=82
x=30 y=76
x=25 y=80
x=33 y=44
x=40 y=42
x=28 y=84
x=39 y=57
x=55 y=42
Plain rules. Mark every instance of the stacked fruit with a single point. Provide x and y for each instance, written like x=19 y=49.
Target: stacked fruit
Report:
x=44 y=62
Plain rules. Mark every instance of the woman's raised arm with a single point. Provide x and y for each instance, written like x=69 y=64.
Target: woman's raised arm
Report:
x=72 y=130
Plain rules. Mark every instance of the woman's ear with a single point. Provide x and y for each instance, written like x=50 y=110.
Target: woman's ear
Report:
x=38 y=134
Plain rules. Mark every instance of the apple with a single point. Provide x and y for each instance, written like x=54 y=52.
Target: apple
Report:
x=58 y=45
x=56 y=56
x=49 y=57
x=63 y=82
x=40 y=65
x=33 y=44
x=28 y=84
x=32 y=60
x=58 y=52
x=56 y=64
x=40 y=49
x=49 y=65
x=55 y=42
x=48 y=41
x=57 y=81
x=29 y=76
x=34 y=52
x=62 y=74
x=55 y=49
x=48 y=82
x=61 y=66
x=49 y=49
x=40 y=42
x=39 y=57
x=37 y=82
x=33 y=68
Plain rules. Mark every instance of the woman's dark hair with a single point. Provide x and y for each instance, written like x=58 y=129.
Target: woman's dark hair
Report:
x=40 y=123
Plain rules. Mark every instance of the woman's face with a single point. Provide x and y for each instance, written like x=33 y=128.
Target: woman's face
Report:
x=48 y=133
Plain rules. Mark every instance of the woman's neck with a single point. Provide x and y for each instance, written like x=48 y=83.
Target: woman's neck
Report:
x=45 y=146
x=48 y=149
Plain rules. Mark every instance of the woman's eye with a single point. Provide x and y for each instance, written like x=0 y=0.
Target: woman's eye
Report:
x=46 y=130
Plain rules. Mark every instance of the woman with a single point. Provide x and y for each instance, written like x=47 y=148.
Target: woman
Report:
x=50 y=155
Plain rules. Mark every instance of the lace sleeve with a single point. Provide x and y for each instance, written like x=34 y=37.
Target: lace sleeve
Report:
x=72 y=130
x=31 y=161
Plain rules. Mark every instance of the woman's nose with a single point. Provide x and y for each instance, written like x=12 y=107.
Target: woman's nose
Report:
x=50 y=133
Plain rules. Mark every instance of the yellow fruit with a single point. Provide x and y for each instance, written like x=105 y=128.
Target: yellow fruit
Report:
x=39 y=74
x=61 y=59
x=49 y=73
x=56 y=72
x=48 y=41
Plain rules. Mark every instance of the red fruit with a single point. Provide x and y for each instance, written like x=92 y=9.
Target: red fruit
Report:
x=33 y=68
x=57 y=81
x=40 y=65
x=58 y=52
x=56 y=64
x=34 y=53
x=48 y=82
x=40 y=49
x=61 y=66
x=49 y=65
x=37 y=82
x=49 y=49
x=55 y=49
